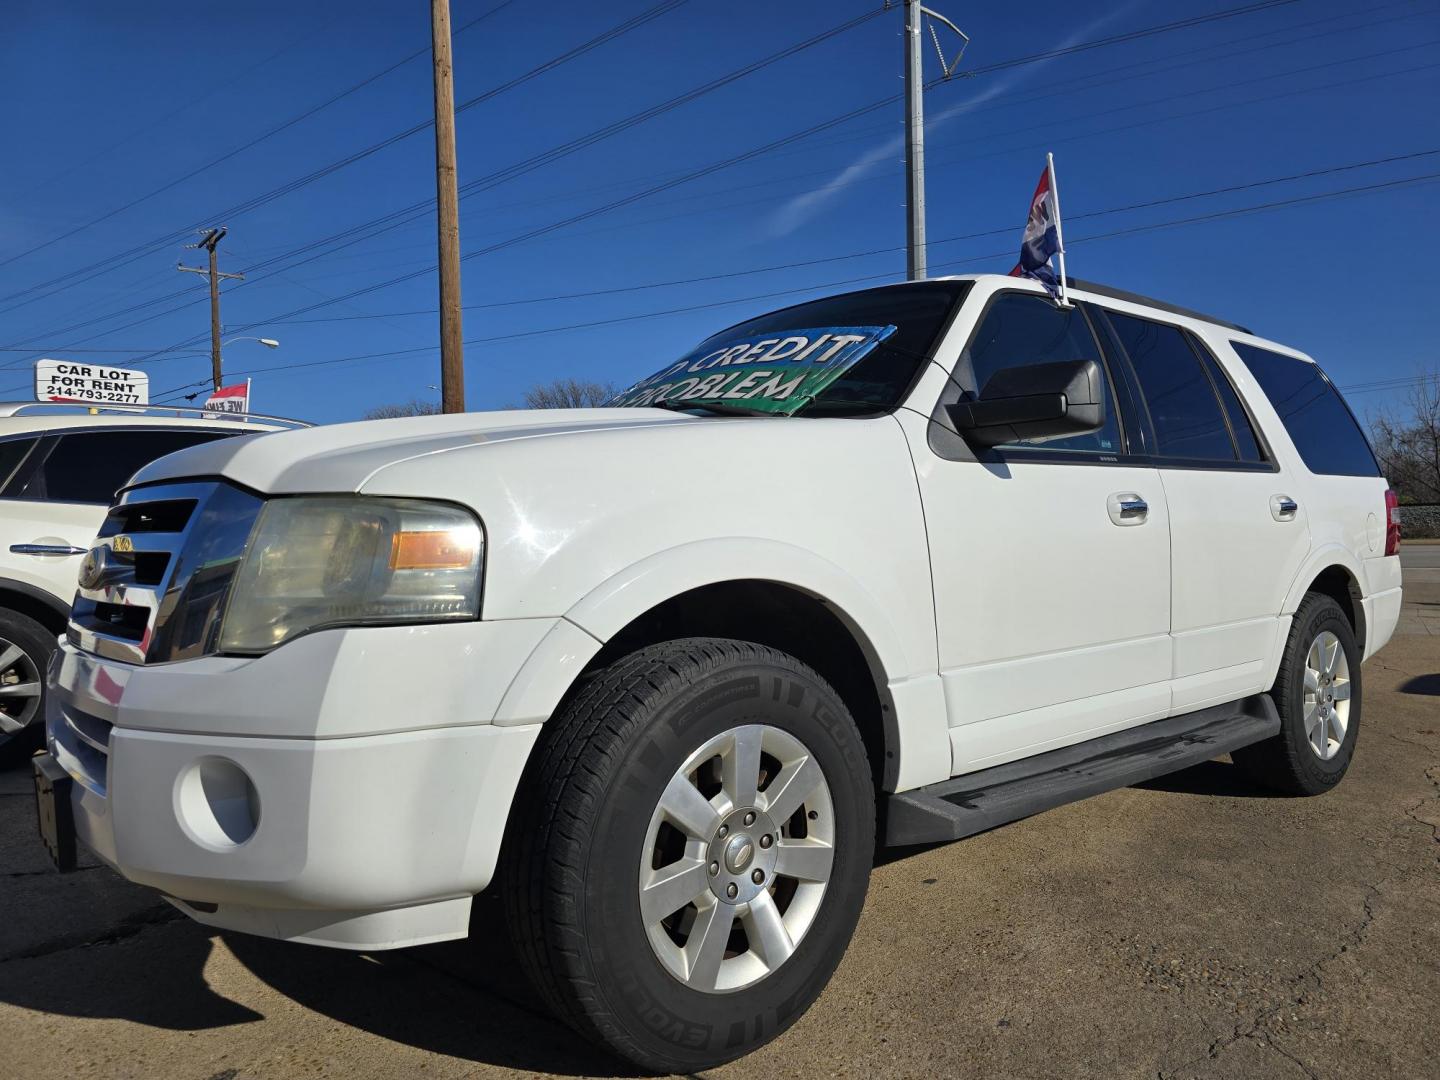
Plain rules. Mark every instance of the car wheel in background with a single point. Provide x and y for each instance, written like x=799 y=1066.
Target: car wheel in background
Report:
x=25 y=650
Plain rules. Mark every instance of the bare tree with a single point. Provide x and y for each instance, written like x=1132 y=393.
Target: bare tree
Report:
x=568 y=394
x=1407 y=441
x=408 y=408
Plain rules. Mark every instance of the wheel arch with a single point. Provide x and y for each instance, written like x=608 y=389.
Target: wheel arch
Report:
x=802 y=605
x=34 y=603
x=1333 y=572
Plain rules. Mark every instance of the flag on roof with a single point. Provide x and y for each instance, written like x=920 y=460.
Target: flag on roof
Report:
x=1042 y=238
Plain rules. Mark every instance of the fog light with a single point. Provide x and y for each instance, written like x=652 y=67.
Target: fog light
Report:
x=217 y=804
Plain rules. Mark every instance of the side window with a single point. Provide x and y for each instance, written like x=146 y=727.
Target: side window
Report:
x=1240 y=426
x=1024 y=329
x=1184 y=410
x=90 y=466
x=12 y=454
x=1316 y=417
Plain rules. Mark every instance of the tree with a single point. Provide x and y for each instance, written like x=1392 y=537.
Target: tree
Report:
x=568 y=394
x=1407 y=442
x=409 y=408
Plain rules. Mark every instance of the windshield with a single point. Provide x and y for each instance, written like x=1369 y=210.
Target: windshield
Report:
x=855 y=353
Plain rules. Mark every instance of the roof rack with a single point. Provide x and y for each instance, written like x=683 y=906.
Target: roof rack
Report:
x=1150 y=301
x=182 y=412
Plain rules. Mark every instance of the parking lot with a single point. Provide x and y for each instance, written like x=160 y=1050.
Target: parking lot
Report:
x=1192 y=926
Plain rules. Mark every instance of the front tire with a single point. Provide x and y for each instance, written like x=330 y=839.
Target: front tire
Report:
x=25 y=651
x=690 y=851
x=1318 y=695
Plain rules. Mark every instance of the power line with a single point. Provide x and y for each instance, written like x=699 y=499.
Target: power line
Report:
x=1230 y=189
x=969 y=260
x=271 y=133
x=123 y=258
x=702 y=279
x=574 y=219
x=836 y=121
x=1084 y=135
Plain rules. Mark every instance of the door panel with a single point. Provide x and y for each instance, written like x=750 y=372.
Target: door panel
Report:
x=1234 y=563
x=25 y=522
x=1045 y=606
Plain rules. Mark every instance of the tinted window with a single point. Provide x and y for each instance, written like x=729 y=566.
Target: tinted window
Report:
x=1240 y=425
x=1021 y=329
x=89 y=467
x=787 y=361
x=1183 y=407
x=12 y=453
x=1317 y=419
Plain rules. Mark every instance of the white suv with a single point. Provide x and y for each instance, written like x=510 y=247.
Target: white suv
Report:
x=60 y=467
x=903 y=564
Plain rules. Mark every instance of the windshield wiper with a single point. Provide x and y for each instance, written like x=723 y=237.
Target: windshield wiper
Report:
x=719 y=408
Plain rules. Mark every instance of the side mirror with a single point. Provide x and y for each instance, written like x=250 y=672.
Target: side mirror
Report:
x=1033 y=401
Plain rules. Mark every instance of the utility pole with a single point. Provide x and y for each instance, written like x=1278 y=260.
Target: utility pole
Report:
x=447 y=207
x=210 y=242
x=915 y=127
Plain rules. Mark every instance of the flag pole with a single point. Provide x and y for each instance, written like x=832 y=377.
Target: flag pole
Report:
x=1059 y=234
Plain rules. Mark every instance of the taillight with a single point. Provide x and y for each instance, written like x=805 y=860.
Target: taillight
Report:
x=1392 y=523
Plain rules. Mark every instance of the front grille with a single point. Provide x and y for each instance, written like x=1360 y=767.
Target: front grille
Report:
x=153 y=588
x=161 y=515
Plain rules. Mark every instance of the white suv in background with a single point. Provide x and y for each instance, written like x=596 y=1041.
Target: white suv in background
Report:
x=905 y=563
x=60 y=467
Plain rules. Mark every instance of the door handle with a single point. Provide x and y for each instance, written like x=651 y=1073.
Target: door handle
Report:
x=1283 y=507
x=46 y=549
x=1127 y=508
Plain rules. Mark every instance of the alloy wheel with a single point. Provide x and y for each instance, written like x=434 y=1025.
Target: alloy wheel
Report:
x=737 y=858
x=1327 y=695
x=20 y=688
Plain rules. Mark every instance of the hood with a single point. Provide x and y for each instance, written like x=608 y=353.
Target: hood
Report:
x=341 y=457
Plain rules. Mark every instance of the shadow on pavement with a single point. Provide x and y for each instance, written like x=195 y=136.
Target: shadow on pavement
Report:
x=466 y=999
x=1211 y=778
x=1422 y=684
x=160 y=988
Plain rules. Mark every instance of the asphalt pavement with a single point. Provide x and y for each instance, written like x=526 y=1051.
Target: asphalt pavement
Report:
x=1194 y=926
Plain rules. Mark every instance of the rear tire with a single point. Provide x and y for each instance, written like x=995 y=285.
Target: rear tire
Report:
x=1318 y=695
x=661 y=731
x=25 y=651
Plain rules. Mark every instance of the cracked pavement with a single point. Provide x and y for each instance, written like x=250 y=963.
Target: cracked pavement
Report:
x=1191 y=927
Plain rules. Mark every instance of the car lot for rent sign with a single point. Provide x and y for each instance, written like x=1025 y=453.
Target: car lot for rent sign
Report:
x=775 y=372
x=100 y=384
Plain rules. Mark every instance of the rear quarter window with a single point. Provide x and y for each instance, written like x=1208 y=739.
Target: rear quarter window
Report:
x=90 y=466
x=1316 y=418
x=12 y=453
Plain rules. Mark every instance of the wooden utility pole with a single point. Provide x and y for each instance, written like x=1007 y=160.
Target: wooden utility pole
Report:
x=447 y=205
x=210 y=243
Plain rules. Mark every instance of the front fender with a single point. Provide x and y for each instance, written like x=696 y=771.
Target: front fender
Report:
x=619 y=600
x=920 y=730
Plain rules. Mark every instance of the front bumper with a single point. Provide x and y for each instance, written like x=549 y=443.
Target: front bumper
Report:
x=362 y=841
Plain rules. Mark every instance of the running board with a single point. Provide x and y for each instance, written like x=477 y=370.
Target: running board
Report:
x=977 y=801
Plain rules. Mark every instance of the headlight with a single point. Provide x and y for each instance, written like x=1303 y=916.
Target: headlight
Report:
x=318 y=561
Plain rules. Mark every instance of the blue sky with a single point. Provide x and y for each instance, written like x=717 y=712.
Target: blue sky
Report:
x=107 y=103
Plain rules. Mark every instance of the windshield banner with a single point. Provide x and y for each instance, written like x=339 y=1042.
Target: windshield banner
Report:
x=775 y=372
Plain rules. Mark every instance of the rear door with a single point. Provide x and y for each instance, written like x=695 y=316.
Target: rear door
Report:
x=54 y=501
x=1238 y=527
x=1342 y=491
x=1052 y=601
